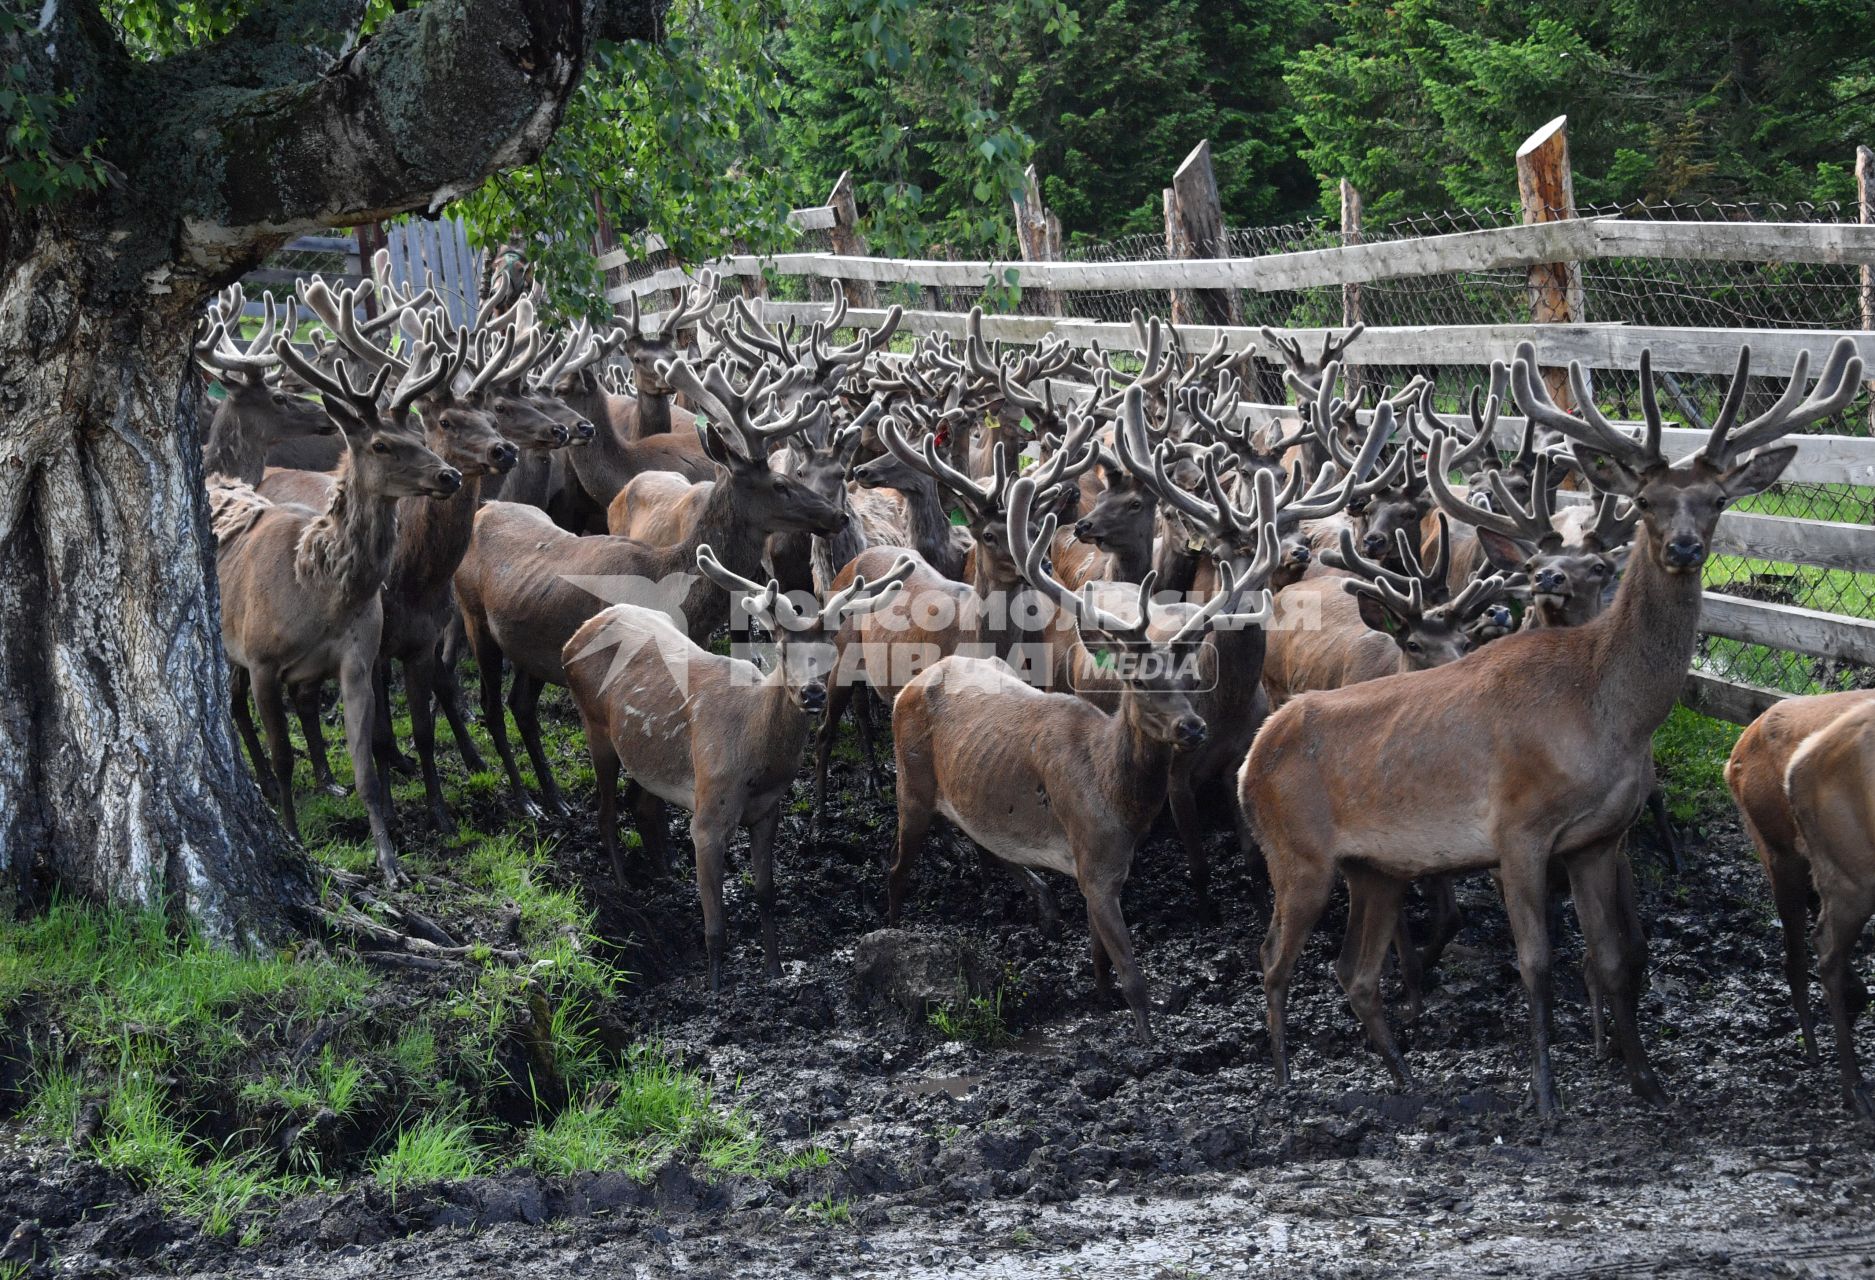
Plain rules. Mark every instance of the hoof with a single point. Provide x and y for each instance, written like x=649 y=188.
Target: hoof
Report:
x=441 y=823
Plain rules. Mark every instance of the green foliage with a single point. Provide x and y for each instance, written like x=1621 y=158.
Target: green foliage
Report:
x=668 y=138
x=1422 y=103
x=912 y=98
x=34 y=169
x=1115 y=110
x=438 y=1147
x=978 y=1020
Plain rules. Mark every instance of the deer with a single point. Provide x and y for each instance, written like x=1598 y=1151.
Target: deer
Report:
x=525 y=585
x=432 y=536
x=1335 y=782
x=256 y=412
x=300 y=587
x=928 y=529
x=1048 y=781
x=936 y=615
x=708 y=733
x=1801 y=776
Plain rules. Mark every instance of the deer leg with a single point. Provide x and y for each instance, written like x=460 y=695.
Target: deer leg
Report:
x=653 y=827
x=1191 y=834
x=1840 y=921
x=419 y=686
x=868 y=740
x=709 y=838
x=762 y=869
x=306 y=708
x=267 y=697
x=1525 y=885
x=605 y=771
x=495 y=720
x=839 y=693
x=1442 y=891
x=1103 y=911
x=1790 y=890
x=524 y=701
x=914 y=819
x=1300 y=890
x=1412 y=976
x=1663 y=823
x=243 y=713
x=1373 y=919
x=1097 y=956
x=449 y=697
x=356 y=692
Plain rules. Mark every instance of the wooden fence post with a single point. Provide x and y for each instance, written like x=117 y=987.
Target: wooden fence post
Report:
x=847 y=240
x=1547 y=189
x=1351 y=293
x=1038 y=230
x=1865 y=206
x=1194 y=228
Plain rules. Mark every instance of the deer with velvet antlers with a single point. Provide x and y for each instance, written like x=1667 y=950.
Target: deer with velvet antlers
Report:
x=1337 y=781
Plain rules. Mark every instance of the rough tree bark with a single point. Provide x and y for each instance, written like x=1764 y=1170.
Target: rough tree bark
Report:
x=119 y=777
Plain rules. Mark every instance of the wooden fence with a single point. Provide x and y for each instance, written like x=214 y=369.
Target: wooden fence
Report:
x=421 y=252
x=1822 y=459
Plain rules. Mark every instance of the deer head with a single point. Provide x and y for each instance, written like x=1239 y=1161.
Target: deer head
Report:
x=250 y=375
x=649 y=352
x=805 y=653
x=387 y=455
x=1158 y=675
x=771 y=501
x=1679 y=502
x=1412 y=607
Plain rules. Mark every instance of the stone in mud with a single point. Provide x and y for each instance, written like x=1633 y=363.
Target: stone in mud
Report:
x=918 y=972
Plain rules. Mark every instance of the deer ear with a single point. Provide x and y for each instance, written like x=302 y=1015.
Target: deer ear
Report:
x=1380 y=618
x=1758 y=472
x=1503 y=551
x=1606 y=472
x=714 y=446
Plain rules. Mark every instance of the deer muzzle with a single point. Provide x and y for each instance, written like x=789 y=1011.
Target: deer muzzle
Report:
x=1190 y=731
x=1684 y=552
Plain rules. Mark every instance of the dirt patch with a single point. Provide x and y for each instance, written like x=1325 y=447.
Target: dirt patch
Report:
x=1063 y=1143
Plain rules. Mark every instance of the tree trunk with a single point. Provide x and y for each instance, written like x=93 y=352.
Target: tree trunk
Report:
x=119 y=772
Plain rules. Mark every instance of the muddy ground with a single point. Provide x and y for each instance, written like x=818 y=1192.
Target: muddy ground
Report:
x=1070 y=1149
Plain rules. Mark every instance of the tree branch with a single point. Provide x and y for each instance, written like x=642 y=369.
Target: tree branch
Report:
x=440 y=97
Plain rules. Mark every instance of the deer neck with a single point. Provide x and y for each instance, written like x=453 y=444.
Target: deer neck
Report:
x=1131 y=558
x=653 y=417
x=778 y=720
x=233 y=450
x=432 y=537
x=1133 y=765
x=1645 y=640
x=930 y=523
x=346 y=549
x=724 y=526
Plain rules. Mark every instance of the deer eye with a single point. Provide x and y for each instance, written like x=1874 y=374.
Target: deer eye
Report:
x=1642 y=504
x=1137 y=504
x=1598 y=571
x=378 y=446
x=1413 y=646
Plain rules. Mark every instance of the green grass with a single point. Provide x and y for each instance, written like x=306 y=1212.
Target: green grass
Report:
x=436 y=1147
x=978 y=1020
x=1690 y=751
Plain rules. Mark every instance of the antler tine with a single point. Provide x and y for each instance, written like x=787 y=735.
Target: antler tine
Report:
x=862 y=594
x=1225 y=610
x=1513 y=521
x=1291 y=350
x=1435 y=576
x=932 y=463
x=520 y=356
x=1347 y=557
x=1592 y=430
x=1148 y=466
x=1836 y=386
x=1029 y=546
x=1075 y=456
x=1158 y=363
x=1615 y=519
x=1332 y=349
x=1427 y=422
x=722 y=575
x=422 y=375
x=490 y=360
x=337 y=383
x=1408 y=601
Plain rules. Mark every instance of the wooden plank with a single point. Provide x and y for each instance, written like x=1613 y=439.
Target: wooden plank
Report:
x=1727 y=699
x=1597 y=346
x=1823 y=543
x=1785 y=626
x=819 y=217
x=1492 y=249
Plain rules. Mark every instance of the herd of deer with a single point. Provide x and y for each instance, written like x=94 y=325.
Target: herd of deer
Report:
x=1392 y=651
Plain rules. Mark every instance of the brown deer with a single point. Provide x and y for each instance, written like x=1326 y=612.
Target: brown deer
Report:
x=711 y=734
x=1337 y=781
x=936 y=615
x=1803 y=775
x=525 y=585
x=1048 y=780
x=928 y=529
x=432 y=536
x=300 y=588
x=257 y=411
